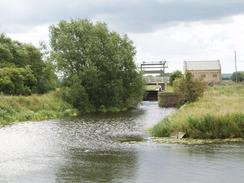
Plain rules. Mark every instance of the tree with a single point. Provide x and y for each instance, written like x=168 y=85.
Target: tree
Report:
x=238 y=75
x=16 y=81
x=188 y=88
x=174 y=75
x=14 y=54
x=99 y=63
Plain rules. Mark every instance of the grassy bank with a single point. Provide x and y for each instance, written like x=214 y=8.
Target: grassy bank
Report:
x=35 y=108
x=218 y=114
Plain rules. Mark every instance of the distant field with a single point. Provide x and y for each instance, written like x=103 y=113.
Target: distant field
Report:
x=218 y=114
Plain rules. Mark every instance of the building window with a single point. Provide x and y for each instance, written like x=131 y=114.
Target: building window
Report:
x=215 y=75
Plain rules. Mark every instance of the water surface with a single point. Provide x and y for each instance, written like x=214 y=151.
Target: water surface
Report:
x=90 y=150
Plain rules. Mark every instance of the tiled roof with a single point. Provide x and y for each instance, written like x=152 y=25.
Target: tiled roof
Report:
x=202 y=65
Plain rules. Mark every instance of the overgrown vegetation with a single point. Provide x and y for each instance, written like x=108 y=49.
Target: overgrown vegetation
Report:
x=218 y=114
x=238 y=76
x=188 y=88
x=22 y=69
x=16 y=81
x=97 y=65
x=174 y=76
x=96 y=68
x=35 y=107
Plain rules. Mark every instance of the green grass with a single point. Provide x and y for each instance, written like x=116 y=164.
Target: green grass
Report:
x=218 y=114
x=33 y=108
x=151 y=87
x=168 y=88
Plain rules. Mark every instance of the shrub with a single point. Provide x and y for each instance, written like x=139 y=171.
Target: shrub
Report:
x=16 y=81
x=76 y=95
x=238 y=75
x=162 y=129
x=188 y=88
x=173 y=76
x=14 y=54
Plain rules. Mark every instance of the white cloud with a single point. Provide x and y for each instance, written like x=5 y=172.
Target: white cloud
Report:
x=123 y=15
x=194 y=41
x=34 y=36
x=185 y=41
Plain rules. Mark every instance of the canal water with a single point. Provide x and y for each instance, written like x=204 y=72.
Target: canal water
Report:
x=98 y=149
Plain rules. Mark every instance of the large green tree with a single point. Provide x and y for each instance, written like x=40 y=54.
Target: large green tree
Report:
x=16 y=55
x=97 y=66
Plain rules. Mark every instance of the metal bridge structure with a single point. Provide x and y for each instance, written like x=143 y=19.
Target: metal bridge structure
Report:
x=154 y=67
x=155 y=79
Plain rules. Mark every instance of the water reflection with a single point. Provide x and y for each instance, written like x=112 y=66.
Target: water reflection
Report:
x=189 y=164
x=88 y=150
x=112 y=166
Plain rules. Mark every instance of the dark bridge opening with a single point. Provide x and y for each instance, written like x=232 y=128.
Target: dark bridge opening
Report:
x=151 y=95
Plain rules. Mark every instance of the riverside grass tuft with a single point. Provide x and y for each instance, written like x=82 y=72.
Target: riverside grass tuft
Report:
x=218 y=114
x=35 y=108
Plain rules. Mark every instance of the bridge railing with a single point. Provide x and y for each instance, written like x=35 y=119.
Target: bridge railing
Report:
x=153 y=67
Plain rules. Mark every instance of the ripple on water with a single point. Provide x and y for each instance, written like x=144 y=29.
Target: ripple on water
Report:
x=95 y=148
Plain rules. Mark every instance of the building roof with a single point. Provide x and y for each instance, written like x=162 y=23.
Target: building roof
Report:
x=202 y=65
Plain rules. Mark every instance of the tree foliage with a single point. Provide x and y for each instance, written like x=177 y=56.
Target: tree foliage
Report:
x=174 y=75
x=238 y=75
x=16 y=57
x=188 y=88
x=97 y=65
x=16 y=81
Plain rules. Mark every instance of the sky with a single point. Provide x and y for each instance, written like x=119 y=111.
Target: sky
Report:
x=171 y=30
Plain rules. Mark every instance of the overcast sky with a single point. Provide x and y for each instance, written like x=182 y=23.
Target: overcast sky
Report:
x=174 y=30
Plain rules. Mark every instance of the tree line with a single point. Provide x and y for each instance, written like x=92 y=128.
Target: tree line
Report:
x=95 y=67
x=22 y=69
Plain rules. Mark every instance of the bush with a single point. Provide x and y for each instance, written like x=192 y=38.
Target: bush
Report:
x=16 y=81
x=162 y=129
x=188 y=88
x=77 y=96
x=173 y=76
x=238 y=75
x=14 y=54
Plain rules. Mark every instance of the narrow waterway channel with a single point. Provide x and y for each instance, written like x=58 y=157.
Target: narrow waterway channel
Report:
x=96 y=149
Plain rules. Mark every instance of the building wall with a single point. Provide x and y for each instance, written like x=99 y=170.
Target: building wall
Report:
x=209 y=76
